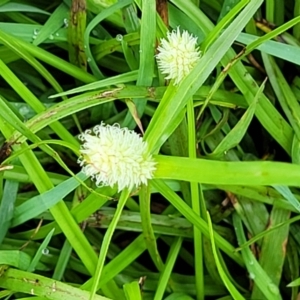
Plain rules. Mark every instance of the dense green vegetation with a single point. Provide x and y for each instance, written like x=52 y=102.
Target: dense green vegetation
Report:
x=219 y=218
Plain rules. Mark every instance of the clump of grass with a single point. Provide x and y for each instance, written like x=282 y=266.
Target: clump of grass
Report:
x=217 y=218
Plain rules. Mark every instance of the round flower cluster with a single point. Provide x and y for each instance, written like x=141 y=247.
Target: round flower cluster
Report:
x=178 y=54
x=113 y=155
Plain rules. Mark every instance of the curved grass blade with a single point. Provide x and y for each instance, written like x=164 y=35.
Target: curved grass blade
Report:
x=91 y=99
x=101 y=16
x=9 y=7
x=32 y=100
x=51 y=59
x=231 y=288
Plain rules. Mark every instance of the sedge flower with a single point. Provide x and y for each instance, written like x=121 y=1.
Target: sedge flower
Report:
x=113 y=155
x=178 y=54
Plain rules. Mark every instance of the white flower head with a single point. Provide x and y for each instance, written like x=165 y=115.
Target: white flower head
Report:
x=113 y=155
x=177 y=55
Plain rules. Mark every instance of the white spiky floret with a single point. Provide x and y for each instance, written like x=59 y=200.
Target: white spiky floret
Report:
x=113 y=155
x=178 y=54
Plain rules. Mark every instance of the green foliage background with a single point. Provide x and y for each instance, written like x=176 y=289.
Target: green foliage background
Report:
x=220 y=218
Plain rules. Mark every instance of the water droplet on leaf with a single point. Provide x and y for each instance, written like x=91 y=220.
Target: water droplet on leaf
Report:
x=45 y=251
x=273 y=288
x=119 y=37
x=66 y=22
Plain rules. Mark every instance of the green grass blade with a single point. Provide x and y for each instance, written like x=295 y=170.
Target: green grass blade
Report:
x=190 y=215
x=273 y=251
x=42 y=202
x=113 y=80
x=147 y=51
x=55 y=21
x=101 y=16
x=229 y=285
x=285 y=95
x=166 y=274
x=270 y=229
x=62 y=261
x=15 y=258
x=51 y=59
x=30 y=98
x=7 y=7
x=226 y=19
x=60 y=211
x=34 y=284
x=256 y=272
x=150 y=239
x=42 y=250
x=198 y=239
x=288 y=195
x=106 y=241
x=234 y=137
x=295 y=282
x=132 y=291
x=119 y=263
x=219 y=172
x=7 y=206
